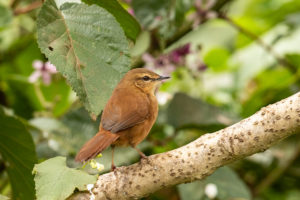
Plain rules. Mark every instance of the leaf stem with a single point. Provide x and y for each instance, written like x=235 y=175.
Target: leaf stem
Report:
x=41 y=97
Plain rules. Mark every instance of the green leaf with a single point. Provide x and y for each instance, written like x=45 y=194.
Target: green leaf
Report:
x=191 y=191
x=251 y=24
x=18 y=151
x=78 y=122
x=58 y=93
x=141 y=45
x=24 y=59
x=194 y=112
x=3 y=197
x=55 y=143
x=159 y=14
x=55 y=181
x=236 y=189
x=216 y=59
x=208 y=36
x=9 y=35
x=294 y=59
x=228 y=184
x=293 y=194
x=25 y=100
x=253 y=59
x=76 y=127
x=130 y=26
x=88 y=46
x=146 y=11
x=270 y=86
x=182 y=6
x=6 y=15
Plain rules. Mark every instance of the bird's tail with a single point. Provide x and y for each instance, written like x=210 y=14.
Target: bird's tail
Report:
x=96 y=145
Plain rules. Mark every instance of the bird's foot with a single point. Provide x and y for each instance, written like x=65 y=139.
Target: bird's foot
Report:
x=143 y=156
x=113 y=168
x=145 y=160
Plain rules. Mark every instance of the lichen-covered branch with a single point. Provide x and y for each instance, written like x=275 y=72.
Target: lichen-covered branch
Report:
x=203 y=156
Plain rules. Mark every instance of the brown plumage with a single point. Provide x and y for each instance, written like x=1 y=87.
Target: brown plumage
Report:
x=128 y=115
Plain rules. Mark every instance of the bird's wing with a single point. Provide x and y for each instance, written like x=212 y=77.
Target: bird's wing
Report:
x=125 y=109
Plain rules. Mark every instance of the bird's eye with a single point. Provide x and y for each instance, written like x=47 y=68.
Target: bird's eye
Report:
x=146 y=78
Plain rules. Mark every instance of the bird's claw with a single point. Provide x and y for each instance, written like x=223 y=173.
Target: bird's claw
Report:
x=113 y=168
x=143 y=156
x=145 y=159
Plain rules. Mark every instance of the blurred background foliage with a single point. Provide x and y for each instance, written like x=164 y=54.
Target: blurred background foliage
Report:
x=227 y=59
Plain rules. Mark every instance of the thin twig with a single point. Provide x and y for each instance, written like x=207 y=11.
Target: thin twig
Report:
x=264 y=45
x=30 y=7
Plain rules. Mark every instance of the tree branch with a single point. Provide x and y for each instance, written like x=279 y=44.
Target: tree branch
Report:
x=203 y=156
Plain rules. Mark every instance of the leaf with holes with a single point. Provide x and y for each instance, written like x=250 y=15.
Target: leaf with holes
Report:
x=55 y=181
x=88 y=46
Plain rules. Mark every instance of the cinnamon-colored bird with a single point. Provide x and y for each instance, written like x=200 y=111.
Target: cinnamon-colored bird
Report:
x=128 y=115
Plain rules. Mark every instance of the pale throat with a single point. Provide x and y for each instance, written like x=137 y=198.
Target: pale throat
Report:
x=155 y=89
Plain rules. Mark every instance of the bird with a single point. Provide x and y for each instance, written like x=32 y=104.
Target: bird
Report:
x=128 y=116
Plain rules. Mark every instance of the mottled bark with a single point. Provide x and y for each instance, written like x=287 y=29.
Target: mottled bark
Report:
x=203 y=156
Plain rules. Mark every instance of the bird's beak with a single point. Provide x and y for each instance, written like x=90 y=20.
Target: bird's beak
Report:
x=162 y=78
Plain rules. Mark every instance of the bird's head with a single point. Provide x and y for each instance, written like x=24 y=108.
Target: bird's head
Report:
x=144 y=79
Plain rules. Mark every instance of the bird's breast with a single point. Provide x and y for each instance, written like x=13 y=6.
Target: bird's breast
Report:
x=136 y=134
